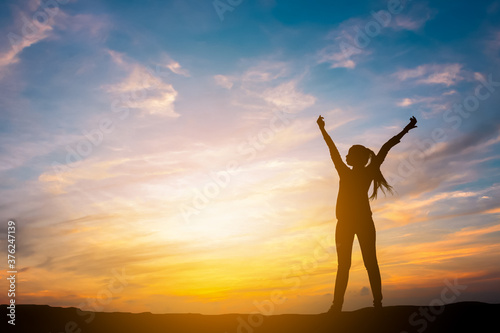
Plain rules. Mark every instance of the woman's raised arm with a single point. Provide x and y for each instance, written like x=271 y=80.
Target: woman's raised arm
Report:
x=394 y=140
x=334 y=152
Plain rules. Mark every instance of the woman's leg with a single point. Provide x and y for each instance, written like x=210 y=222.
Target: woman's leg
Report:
x=344 y=237
x=367 y=240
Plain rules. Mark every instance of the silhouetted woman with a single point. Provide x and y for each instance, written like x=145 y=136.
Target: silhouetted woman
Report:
x=354 y=216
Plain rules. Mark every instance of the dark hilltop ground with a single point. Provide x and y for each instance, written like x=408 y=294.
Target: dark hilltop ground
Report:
x=456 y=317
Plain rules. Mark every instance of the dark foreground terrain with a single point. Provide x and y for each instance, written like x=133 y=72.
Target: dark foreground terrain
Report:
x=457 y=317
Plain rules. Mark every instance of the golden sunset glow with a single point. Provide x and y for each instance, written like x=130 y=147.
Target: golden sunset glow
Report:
x=153 y=168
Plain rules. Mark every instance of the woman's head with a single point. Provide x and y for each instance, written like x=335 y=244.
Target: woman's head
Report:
x=358 y=156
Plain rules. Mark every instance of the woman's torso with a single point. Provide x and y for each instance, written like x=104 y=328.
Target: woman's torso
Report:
x=352 y=200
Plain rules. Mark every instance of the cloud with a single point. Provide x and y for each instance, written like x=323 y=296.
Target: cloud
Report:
x=491 y=43
x=415 y=100
x=265 y=71
x=413 y=19
x=439 y=204
x=20 y=150
x=446 y=74
x=223 y=81
x=287 y=98
x=409 y=23
x=25 y=32
x=458 y=162
x=92 y=25
x=337 y=58
x=37 y=22
x=266 y=87
x=174 y=66
x=351 y=37
x=144 y=90
x=484 y=136
x=428 y=106
x=345 y=45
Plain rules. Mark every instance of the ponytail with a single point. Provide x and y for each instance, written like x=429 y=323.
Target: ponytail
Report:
x=378 y=179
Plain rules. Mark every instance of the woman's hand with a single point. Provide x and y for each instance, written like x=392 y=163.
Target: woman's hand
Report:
x=412 y=124
x=321 y=122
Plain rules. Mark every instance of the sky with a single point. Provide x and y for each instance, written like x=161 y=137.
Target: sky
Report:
x=164 y=156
